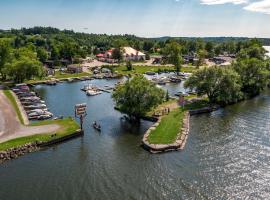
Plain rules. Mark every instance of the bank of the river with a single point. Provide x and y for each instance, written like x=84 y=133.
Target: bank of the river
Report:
x=59 y=76
x=122 y=69
x=171 y=130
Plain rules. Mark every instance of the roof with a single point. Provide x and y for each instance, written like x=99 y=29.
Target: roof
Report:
x=130 y=51
x=100 y=55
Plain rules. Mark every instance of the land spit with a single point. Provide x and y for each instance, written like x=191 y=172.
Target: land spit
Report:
x=182 y=136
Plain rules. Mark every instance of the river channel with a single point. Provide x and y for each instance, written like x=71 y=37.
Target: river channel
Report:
x=227 y=155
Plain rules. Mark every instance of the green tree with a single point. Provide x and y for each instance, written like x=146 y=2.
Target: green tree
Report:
x=23 y=65
x=254 y=75
x=5 y=49
x=172 y=53
x=201 y=57
x=129 y=65
x=167 y=96
x=221 y=85
x=42 y=54
x=137 y=97
x=117 y=54
x=23 y=69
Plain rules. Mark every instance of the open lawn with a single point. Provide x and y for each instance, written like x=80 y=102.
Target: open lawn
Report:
x=171 y=124
x=168 y=128
x=68 y=126
x=122 y=69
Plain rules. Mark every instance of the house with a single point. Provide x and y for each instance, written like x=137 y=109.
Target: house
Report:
x=106 y=57
x=74 y=69
x=130 y=54
x=221 y=60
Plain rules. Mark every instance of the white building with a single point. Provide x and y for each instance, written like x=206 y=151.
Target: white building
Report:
x=132 y=54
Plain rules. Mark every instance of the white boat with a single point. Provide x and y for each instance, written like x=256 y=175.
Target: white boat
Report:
x=93 y=92
x=87 y=87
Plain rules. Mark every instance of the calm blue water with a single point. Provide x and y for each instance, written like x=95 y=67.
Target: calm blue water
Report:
x=227 y=156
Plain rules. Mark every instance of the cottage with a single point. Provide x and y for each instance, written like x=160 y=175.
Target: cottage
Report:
x=74 y=69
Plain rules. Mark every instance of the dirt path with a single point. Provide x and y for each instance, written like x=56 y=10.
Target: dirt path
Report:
x=10 y=126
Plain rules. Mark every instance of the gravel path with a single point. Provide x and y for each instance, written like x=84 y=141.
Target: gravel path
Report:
x=10 y=126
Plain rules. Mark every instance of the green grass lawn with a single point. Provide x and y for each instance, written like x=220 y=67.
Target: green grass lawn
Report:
x=14 y=104
x=168 y=128
x=122 y=69
x=68 y=126
x=171 y=124
x=59 y=75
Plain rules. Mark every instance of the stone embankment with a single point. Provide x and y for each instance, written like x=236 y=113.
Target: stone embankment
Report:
x=181 y=138
x=13 y=153
x=16 y=152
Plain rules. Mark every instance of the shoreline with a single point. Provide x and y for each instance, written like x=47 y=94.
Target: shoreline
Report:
x=16 y=152
x=181 y=138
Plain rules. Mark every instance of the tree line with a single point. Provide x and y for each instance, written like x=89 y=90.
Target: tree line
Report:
x=245 y=78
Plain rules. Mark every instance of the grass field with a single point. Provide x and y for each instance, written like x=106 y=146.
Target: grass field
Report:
x=168 y=128
x=14 y=104
x=142 y=69
x=171 y=124
x=68 y=126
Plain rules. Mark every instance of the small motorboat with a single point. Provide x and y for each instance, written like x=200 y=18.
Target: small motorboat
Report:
x=96 y=126
x=93 y=93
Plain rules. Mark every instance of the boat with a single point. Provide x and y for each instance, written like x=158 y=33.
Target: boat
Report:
x=28 y=103
x=70 y=80
x=93 y=92
x=150 y=73
x=53 y=82
x=175 y=79
x=31 y=99
x=96 y=126
x=37 y=110
x=87 y=87
x=178 y=94
x=35 y=106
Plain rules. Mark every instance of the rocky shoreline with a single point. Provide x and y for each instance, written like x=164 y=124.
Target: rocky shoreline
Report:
x=16 y=152
x=181 y=139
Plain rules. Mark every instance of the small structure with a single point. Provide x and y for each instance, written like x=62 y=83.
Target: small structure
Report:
x=74 y=69
x=80 y=112
x=221 y=60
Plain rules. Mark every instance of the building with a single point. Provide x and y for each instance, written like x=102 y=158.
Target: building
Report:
x=106 y=57
x=130 y=54
x=222 y=60
x=74 y=69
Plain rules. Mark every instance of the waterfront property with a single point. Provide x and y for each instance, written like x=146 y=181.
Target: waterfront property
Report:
x=221 y=142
